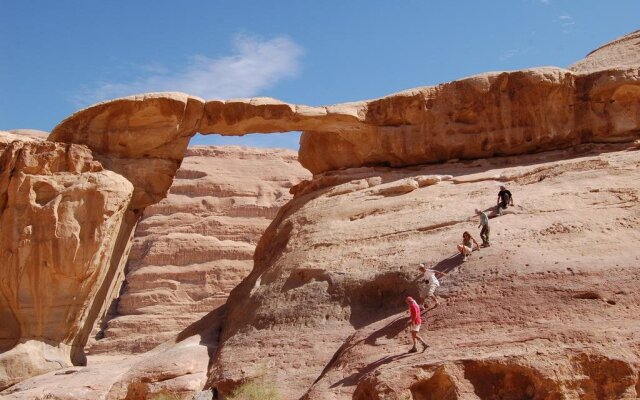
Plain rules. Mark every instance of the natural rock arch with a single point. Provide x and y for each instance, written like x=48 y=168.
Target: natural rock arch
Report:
x=143 y=138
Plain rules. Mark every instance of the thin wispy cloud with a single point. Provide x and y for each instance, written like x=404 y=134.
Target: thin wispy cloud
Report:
x=255 y=65
x=567 y=23
x=511 y=53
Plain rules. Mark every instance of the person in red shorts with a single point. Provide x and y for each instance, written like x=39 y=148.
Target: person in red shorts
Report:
x=416 y=321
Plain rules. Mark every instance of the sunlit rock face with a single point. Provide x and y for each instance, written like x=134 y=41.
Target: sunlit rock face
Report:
x=621 y=53
x=542 y=313
x=142 y=138
x=61 y=217
x=492 y=114
x=321 y=311
x=193 y=247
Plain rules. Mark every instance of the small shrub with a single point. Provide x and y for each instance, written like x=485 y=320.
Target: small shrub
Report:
x=255 y=390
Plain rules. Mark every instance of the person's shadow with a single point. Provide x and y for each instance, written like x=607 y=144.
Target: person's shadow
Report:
x=449 y=264
x=389 y=331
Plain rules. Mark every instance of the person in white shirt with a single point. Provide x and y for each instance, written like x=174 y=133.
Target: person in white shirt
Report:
x=428 y=290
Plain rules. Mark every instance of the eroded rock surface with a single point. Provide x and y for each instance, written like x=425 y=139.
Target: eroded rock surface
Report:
x=323 y=307
x=142 y=138
x=491 y=114
x=61 y=215
x=196 y=245
x=487 y=115
x=620 y=53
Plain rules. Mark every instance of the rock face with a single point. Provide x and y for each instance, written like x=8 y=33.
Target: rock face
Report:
x=493 y=114
x=323 y=304
x=486 y=115
x=550 y=310
x=173 y=370
x=621 y=53
x=61 y=215
x=196 y=245
x=142 y=138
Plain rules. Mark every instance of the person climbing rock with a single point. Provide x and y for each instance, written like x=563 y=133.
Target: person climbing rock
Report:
x=505 y=199
x=428 y=290
x=415 y=322
x=468 y=245
x=484 y=224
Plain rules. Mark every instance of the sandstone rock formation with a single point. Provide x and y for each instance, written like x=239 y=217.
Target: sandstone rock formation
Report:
x=173 y=370
x=7 y=137
x=621 y=53
x=492 y=114
x=320 y=312
x=61 y=216
x=193 y=247
x=142 y=138
x=549 y=310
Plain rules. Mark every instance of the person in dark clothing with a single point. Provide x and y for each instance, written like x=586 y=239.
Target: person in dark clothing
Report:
x=505 y=199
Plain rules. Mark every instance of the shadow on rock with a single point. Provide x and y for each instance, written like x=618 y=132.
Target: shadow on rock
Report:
x=209 y=328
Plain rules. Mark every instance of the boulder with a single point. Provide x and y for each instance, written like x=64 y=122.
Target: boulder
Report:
x=62 y=220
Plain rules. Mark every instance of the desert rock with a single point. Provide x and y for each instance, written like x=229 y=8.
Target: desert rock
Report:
x=193 y=247
x=61 y=215
x=322 y=308
x=324 y=305
x=486 y=115
x=142 y=138
x=620 y=53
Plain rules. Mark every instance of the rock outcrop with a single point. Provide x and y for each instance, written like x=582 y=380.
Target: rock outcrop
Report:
x=61 y=216
x=621 y=53
x=322 y=306
x=193 y=247
x=492 y=114
x=142 y=138
x=173 y=370
x=549 y=310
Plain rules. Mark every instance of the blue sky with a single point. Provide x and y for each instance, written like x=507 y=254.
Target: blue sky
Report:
x=60 y=56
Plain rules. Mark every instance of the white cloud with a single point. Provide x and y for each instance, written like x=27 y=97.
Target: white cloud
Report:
x=567 y=23
x=517 y=52
x=255 y=65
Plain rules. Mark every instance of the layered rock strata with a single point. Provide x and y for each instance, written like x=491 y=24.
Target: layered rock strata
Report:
x=298 y=285
x=550 y=310
x=61 y=215
x=193 y=247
